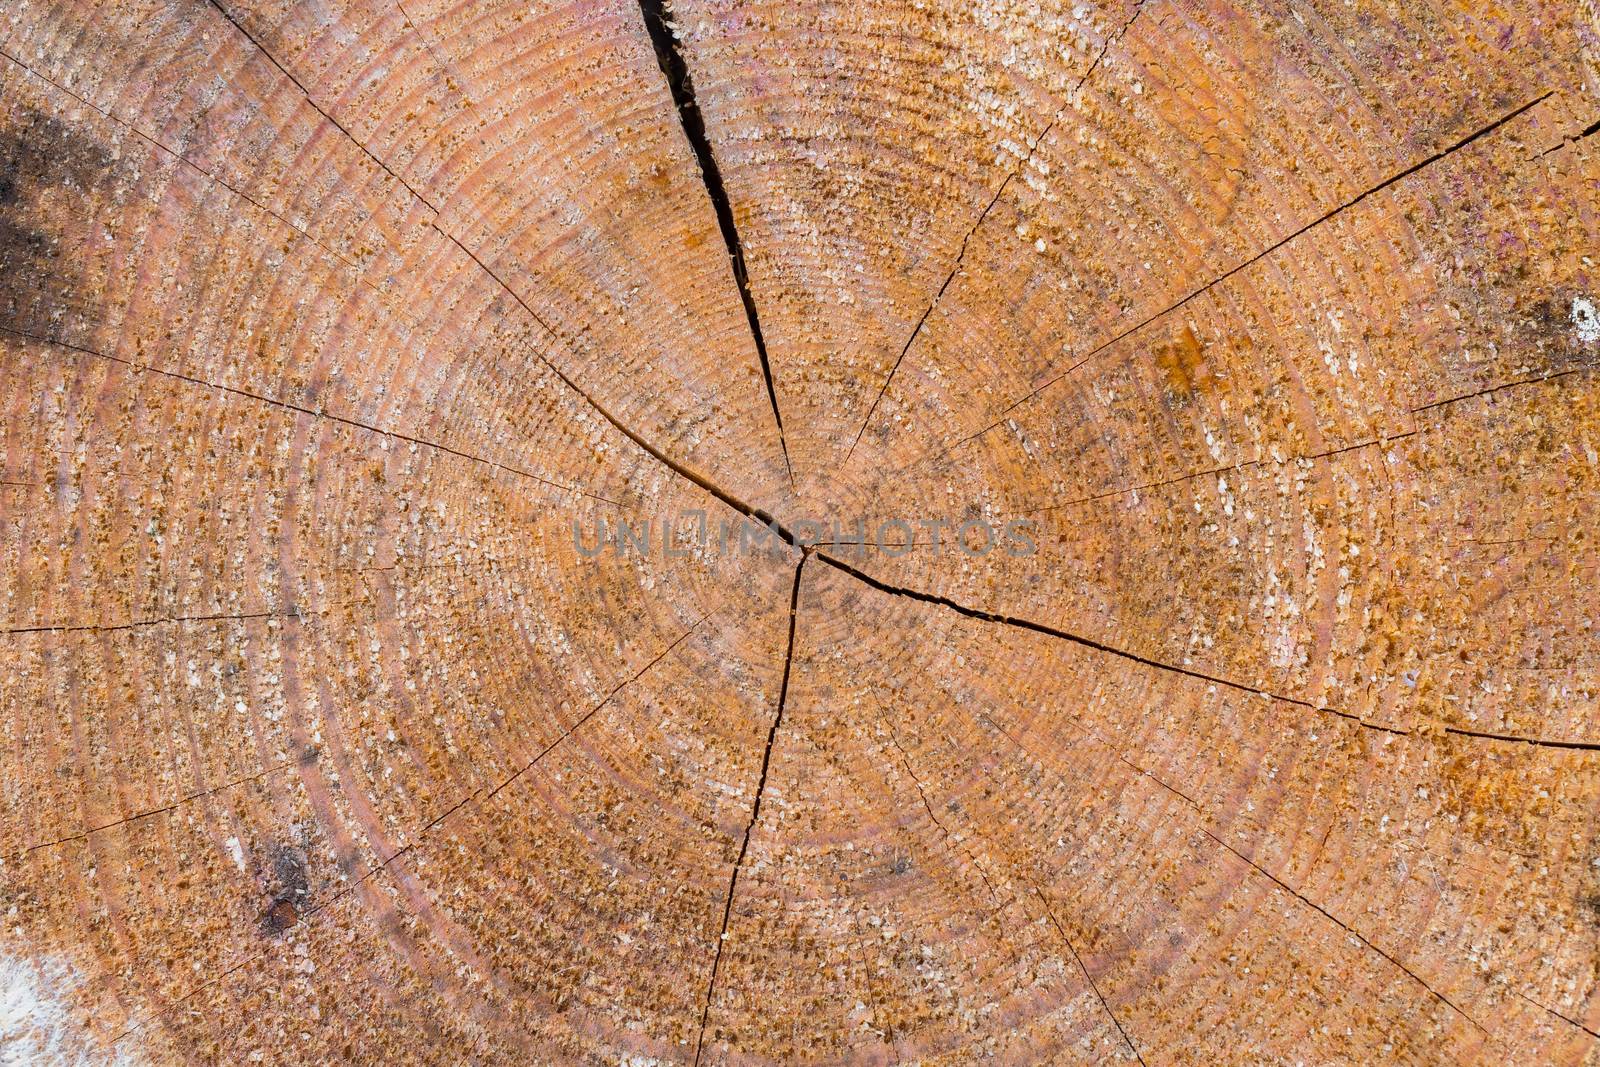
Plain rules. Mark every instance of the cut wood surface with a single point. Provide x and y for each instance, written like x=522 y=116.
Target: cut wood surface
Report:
x=336 y=337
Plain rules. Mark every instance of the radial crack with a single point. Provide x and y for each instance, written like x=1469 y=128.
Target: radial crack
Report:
x=1325 y=913
x=482 y=794
x=883 y=1028
x=1564 y=1018
x=1503 y=386
x=198 y=795
x=680 y=469
x=961 y=253
x=217 y=180
x=1195 y=806
x=1583 y=134
x=1112 y=650
x=755 y=809
x=706 y=485
x=1302 y=898
x=1051 y=915
x=1393 y=179
x=301 y=409
x=1213 y=471
x=1043 y=900
x=355 y=883
x=937 y=822
x=569 y=731
x=259 y=47
x=955 y=268
x=670 y=58
x=638 y=439
x=139 y=624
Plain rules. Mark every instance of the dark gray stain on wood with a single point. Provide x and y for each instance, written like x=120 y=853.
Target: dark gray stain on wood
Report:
x=52 y=176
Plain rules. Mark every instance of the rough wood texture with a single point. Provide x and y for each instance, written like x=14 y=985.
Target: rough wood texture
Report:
x=322 y=739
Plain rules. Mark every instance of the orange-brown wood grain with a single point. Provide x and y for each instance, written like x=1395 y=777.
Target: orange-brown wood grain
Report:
x=434 y=439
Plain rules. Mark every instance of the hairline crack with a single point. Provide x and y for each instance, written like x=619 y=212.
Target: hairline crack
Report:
x=755 y=808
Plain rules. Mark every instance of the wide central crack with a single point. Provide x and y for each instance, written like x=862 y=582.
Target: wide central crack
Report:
x=677 y=74
x=670 y=57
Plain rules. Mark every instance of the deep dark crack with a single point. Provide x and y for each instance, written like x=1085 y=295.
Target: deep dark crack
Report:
x=1213 y=679
x=670 y=56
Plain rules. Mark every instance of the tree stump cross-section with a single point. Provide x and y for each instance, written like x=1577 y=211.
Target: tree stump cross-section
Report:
x=716 y=532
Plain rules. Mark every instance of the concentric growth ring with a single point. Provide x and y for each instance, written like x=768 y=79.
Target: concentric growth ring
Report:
x=777 y=532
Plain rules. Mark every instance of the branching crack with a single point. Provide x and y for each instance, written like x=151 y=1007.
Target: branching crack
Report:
x=961 y=253
x=755 y=809
x=670 y=58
